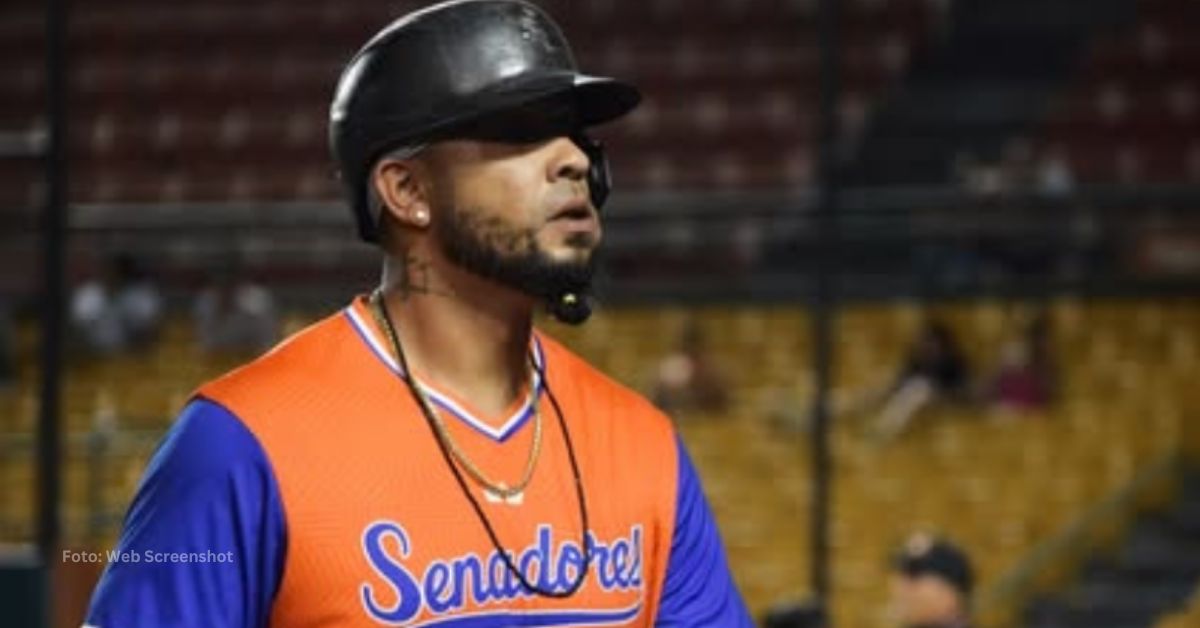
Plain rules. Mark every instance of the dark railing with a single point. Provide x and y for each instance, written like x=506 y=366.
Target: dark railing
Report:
x=930 y=243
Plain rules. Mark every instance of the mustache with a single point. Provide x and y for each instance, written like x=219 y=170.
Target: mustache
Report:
x=581 y=240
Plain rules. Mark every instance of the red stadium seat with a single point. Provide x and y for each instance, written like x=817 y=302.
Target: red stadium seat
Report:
x=169 y=97
x=1136 y=101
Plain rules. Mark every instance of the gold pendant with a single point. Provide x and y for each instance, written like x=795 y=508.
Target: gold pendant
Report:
x=493 y=497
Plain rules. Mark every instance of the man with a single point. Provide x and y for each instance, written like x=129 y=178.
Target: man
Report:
x=235 y=315
x=931 y=584
x=425 y=457
x=119 y=311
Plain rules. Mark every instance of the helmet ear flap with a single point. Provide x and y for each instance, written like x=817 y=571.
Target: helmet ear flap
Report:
x=599 y=176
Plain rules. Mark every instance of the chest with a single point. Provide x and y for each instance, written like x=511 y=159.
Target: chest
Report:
x=380 y=531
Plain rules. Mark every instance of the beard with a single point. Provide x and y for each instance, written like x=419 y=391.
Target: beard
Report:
x=495 y=250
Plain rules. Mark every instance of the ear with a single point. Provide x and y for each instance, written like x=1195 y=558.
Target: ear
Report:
x=401 y=191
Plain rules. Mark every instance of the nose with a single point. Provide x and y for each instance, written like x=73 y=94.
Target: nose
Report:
x=567 y=160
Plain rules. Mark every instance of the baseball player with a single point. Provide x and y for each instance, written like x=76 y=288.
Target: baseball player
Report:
x=425 y=457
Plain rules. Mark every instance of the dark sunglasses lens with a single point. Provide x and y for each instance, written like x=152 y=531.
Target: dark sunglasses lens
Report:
x=524 y=125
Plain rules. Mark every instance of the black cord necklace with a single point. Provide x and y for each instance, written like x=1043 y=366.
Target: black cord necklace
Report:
x=462 y=483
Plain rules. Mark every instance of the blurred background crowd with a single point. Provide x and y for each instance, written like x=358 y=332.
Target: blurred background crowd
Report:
x=1015 y=272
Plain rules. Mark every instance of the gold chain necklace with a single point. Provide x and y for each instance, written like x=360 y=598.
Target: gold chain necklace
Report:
x=499 y=489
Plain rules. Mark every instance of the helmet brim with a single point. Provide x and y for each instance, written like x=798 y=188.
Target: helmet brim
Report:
x=603 y=99
x=593 y=100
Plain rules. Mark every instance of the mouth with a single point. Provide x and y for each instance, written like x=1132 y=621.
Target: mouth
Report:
x=576 y=210
x=577 y=222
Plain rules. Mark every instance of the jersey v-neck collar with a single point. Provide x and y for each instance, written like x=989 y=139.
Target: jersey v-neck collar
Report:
x=515 y=417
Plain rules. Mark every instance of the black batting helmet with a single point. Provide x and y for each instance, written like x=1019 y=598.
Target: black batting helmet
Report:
x=490 y=69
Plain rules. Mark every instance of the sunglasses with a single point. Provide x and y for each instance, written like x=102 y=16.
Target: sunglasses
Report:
x=529 y=124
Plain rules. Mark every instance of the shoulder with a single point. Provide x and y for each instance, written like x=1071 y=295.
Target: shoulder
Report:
x=209 y=494
x=206 y=443
x=304 y=358
x=208 y=464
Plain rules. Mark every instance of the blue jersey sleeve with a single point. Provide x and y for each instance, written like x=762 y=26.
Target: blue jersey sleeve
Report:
x=699 y=590
x=204 y=540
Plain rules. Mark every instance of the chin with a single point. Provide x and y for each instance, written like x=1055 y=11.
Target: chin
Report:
x=567 y=253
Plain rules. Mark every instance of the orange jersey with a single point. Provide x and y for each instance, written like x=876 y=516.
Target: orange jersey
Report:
x=342 y=511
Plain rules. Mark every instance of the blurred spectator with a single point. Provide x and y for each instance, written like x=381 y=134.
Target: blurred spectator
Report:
x=931 y=584
x=1025 y=376
x=687 y=380
x=1020 y=170
x=1054 y=176
x=234 y=315
x=980 y=178
x=118 y=311
x=935 y=370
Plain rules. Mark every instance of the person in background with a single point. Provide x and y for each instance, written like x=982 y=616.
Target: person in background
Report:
x=1024 y=379
x=935 y=370
x=119 y=311
x=235 y=315
x=688 y=380
x=930 y=584
x=1054 y=176
x=977 y=177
